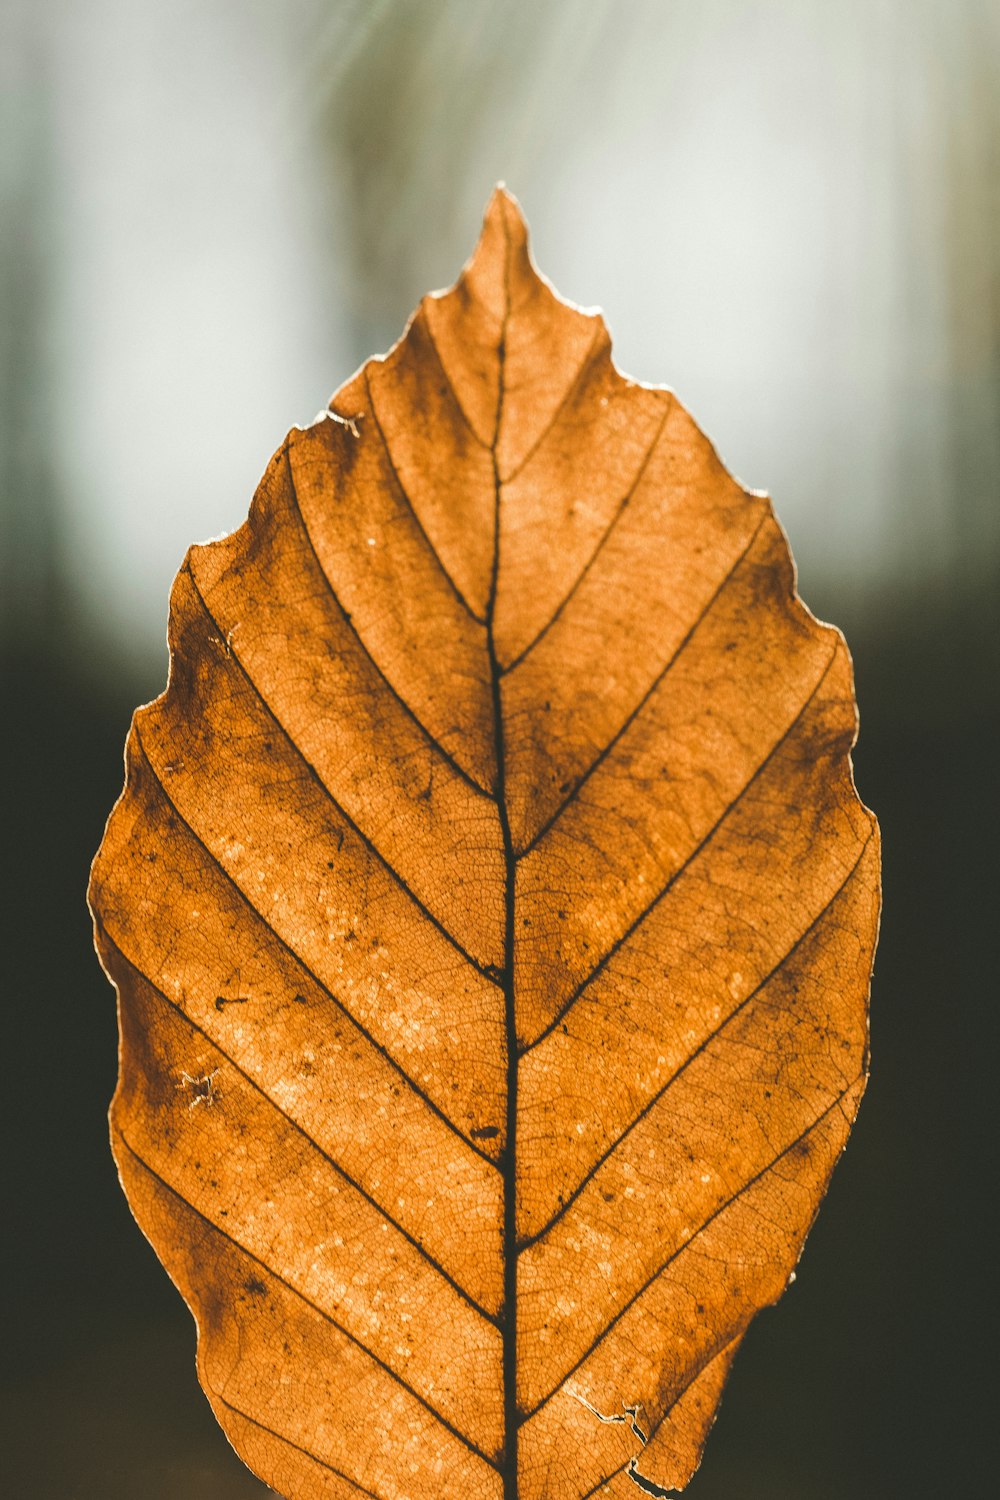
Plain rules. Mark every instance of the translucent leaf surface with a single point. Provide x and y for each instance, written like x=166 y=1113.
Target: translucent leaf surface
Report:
x=492 y=916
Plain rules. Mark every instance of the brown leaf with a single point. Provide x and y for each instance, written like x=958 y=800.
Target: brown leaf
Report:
x=492 y=916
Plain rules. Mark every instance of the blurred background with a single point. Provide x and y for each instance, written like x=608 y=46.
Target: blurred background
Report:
x=210 y=214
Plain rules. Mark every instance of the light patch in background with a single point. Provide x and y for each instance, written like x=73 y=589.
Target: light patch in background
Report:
x=786 y=211
x=182 y=332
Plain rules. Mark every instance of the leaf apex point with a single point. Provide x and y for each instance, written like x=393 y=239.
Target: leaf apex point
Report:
x=504 y=212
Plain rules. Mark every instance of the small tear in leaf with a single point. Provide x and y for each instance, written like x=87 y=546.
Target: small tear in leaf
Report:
x=649 y=1485
x=629 y=1415
x=202 y=1089
x=351 y=423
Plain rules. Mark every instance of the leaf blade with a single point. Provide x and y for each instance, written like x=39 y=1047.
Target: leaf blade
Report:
x=492 y=913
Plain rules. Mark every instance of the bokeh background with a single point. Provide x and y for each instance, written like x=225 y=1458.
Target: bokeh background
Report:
x=210 y=212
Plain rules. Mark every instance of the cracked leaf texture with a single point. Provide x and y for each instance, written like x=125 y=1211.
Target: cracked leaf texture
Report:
x=492 y=915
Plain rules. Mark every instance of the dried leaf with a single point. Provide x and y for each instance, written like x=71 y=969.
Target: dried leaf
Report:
x=492 y=915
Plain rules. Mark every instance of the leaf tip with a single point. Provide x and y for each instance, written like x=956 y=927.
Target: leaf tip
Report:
x=501 y=259
x=504 y=205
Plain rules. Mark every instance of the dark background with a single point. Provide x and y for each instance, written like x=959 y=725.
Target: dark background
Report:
x=210 y=215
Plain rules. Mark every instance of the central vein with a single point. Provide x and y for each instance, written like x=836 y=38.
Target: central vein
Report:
x=508 y=1161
